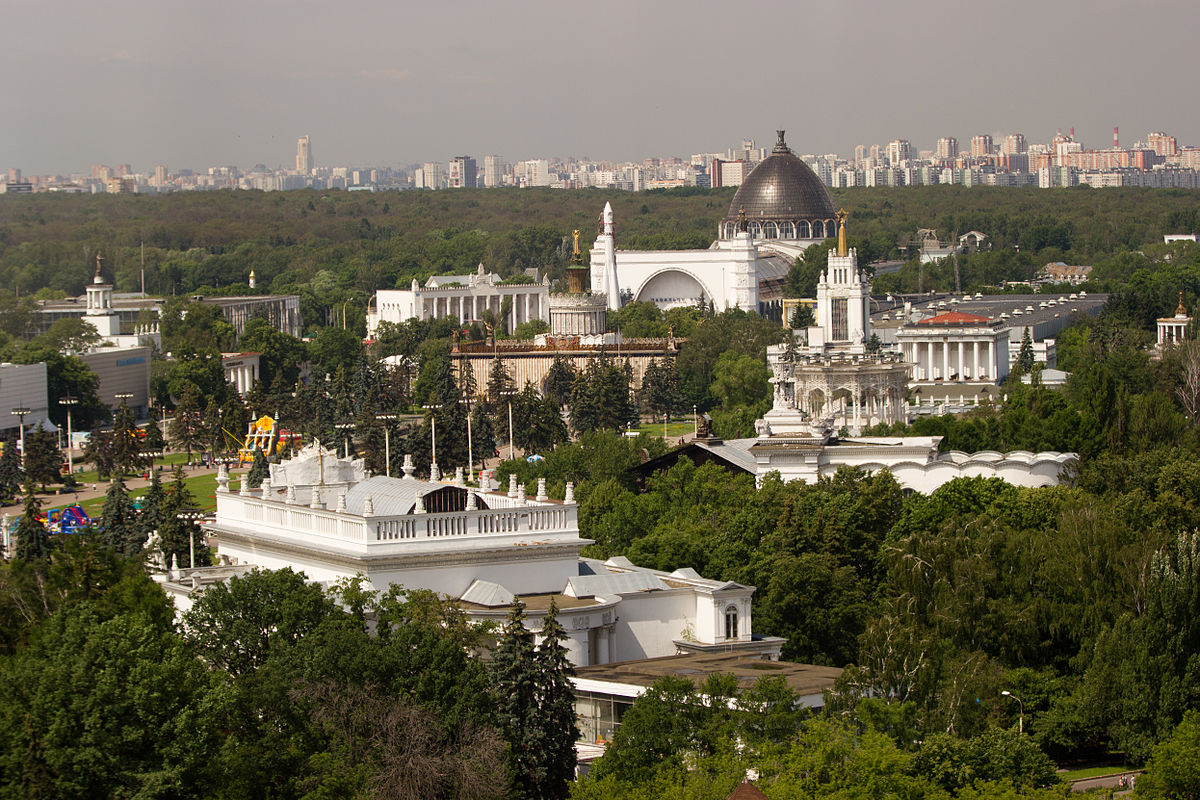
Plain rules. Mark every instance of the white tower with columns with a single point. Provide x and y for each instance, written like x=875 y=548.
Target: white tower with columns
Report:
x=100 y=312
x=843 y=301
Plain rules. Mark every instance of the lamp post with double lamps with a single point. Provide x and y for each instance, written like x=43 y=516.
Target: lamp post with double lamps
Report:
x=191 y=516
x=20 y=413
x=433 y=407
x=508 y=393
x=387 y=442
x=345 y=426
x=69 y=401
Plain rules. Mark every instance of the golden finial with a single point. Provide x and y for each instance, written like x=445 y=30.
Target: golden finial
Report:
x=843 y=247
x=97 y=278
x=1181 y=311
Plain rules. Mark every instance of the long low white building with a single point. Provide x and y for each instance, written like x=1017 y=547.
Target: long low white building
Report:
x=323 y=516
x=465 y=298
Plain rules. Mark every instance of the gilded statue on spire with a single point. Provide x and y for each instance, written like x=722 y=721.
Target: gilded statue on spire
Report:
x=1181 y=311
x=843 y=247
x=576 y=256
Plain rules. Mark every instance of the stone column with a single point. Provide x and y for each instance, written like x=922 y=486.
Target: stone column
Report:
x=945 y=361
x=962 y=370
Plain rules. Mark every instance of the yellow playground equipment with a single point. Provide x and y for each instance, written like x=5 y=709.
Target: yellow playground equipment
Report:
x=261 y=434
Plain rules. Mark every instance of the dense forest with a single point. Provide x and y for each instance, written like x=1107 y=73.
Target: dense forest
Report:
x=335 y=246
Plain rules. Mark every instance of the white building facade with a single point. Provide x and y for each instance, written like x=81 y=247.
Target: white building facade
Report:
x=464 y=298
x=323 y=516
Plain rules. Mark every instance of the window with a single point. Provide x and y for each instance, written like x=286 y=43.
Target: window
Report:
x=731 y=623
x=841 y=322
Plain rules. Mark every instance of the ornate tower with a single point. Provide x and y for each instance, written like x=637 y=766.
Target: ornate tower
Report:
x=578 y=312
x=843 y=299
x=100 y=312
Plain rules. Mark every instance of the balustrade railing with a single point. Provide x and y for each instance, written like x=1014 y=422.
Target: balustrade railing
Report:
x=510 y=517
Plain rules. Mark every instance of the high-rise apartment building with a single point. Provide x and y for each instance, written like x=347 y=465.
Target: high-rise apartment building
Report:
x=304 y=160
x=860 y=153
x=898 y=151
x=1161 y=144
x=462 y=173
x=981 y=145
x=1014 y=144
x=946 y=149
x=493 y=171
x=432 y=172
x=160 y=175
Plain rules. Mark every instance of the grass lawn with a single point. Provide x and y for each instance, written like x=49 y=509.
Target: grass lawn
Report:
x=1092 y=772
x=675 y=429
x=170 y=460
x=202 y=487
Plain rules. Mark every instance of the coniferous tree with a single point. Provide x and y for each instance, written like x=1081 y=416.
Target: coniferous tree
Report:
x=153 y=502
x=32 y=538
x=10 y=471
x=1025 y=354
x=259 y=469
x=560 y=379
x=119 y=520
x=186 y=429
x=556 y=707
x=43 y=459
x=99 y=451
x=483 y=433
x=154 y=441
x=515 y=683
x=178 y=536
x=660 y=388
x=125 y=447
x=542 y=427
x=499 y=383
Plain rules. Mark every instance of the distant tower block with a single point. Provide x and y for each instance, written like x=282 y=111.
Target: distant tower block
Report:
x=304 y=160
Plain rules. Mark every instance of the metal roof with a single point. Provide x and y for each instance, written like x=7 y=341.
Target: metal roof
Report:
x=782 y=187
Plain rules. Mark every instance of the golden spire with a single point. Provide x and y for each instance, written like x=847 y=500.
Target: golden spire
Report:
x=1181 y=311
x=843 y=247
x=576 y=257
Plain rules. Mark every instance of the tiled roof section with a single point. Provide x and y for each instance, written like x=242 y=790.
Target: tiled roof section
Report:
x=747 y=791
x=954 y=318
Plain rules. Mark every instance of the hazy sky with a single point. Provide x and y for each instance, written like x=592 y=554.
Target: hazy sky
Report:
x=379 y=82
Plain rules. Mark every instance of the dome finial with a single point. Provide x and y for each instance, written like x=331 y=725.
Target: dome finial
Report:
x=843 y=247
x=781 y=145
x=1181 y=311
x=98 y=279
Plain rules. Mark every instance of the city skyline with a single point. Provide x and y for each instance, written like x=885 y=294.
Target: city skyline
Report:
x=380 y=85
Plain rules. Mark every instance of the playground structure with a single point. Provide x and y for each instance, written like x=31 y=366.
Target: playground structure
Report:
x=261 y=434
x=69 y=519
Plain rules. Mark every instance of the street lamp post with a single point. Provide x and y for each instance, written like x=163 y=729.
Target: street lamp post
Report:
x=509 y=394
x=191 y=516
x=20 y=413
x=470 y=451
x=387 y=442
x=1021 y=717
x=433 y=430
x=345 y=426
x=69 y=401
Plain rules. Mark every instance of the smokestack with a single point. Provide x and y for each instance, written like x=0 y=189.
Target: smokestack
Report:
x=1072 y=131
x=1116 y=139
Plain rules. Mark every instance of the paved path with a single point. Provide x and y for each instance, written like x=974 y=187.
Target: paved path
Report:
x=1107 y=782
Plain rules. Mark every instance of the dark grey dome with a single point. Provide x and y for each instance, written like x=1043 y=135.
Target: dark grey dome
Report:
x=782 y=188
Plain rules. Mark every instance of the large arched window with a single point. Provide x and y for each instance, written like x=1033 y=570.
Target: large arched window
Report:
x=731 y=622
x=770 y=230
x=804 y=231
x=787 y=230
x=818 y=229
